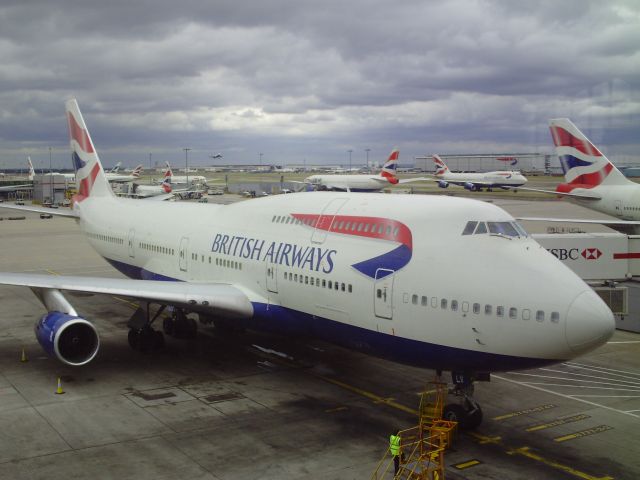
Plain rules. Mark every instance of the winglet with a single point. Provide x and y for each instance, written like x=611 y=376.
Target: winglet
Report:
x=90 y=177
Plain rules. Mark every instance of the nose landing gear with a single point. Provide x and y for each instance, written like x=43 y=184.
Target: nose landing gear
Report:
x=466 y=411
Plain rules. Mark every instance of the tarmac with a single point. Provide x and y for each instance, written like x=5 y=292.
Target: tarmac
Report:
x=251 y=405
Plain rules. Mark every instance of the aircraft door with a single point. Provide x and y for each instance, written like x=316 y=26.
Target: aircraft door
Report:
x=383 y=293
x=272 y=277
x=131 y=242
x=326 y=219
x=182 y=253
x=618 y=208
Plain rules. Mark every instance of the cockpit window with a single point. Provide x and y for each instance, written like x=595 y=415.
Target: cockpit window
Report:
x=504 y=229
x=469 y=228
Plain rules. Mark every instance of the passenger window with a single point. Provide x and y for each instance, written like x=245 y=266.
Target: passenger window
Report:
x=488 y=309
x=366 y=227
x=469 y=228
x=342 y=287
x=324 y=283
x=476 y=308
x=513 y=312
x=555 y=317
x=330 y=283
x=540 y=315
x=425 y=301
x=500 y=311
x=350 y=288
x=306 y=280
x=454 y=305
x=311 y=280
x=465 y=307
x=379 y=293
x=414 y=299
x=380 y=229
x=526 y=314
x=336 y=285
x=443 y=303
x=295 y=277
x=434 y=302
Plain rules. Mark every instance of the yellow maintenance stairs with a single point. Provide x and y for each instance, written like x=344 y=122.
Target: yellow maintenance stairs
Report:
x=422 y=446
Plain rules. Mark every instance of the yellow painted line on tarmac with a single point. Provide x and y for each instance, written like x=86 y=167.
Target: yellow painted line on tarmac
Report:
x=52 y=272
x=540 y=408
x=483 y=439
x=559 y=421
x=526 y=452
x=470 y=463
x=583 y=433
x=369 y=395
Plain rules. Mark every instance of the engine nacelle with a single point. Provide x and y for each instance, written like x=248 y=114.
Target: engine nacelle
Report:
x=72 y=340
x=443 y=184
x=470 y=186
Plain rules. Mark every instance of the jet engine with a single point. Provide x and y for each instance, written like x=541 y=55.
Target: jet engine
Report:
x=470 y=186
x=71 y=339
x=443 y=184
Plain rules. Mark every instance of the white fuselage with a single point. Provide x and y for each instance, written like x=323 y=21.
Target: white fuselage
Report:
x=192 y=180
x=487 y=179
x=355 y=183
x=120 y=178
x=621 y=201
x=418 y=304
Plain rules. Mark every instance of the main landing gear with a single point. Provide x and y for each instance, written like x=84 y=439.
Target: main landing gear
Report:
x=466 y=411
x=144 y=338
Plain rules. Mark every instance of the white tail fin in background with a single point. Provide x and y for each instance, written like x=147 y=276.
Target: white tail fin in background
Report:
x=90 y=177
x=32 y=171
x=116 y=168
x=584 y=166
x=441 y=167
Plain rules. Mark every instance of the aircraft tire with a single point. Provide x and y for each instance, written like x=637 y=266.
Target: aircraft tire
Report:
x=454 y=412
x=474 y=419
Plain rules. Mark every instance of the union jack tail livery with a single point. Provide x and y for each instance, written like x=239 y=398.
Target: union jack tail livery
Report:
x=168 y=172
x=390 y=167
x=584 y=166
x=90 y=177
x=441 y=167
x=166 y=183
x=137 y=171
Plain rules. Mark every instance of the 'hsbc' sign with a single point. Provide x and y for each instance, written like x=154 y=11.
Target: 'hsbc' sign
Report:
x=575 y=253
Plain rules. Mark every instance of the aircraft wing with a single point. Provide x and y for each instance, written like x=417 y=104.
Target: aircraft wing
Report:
x=11 y=188
x=583 y=196
x=58 y=212
x=221 y=299
x=417 y=179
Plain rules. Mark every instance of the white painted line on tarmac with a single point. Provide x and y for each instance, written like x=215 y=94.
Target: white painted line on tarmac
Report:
x=588 y=375
x=618 y=383
x=611 y=371
x=583 y=386
x=546 y=390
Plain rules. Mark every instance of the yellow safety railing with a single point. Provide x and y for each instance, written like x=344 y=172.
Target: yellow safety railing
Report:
x=422 y=456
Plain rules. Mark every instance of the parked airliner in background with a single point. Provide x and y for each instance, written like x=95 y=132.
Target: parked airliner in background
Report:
x=360 y=182
x=592 y=180
x=123 y=178
x=145 y=191
x=363 y=271
x=22 y=187
x=477 y=181
x=182 y=180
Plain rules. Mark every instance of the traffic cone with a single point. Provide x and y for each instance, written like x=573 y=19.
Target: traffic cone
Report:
x=23 y=357
x=59 y=390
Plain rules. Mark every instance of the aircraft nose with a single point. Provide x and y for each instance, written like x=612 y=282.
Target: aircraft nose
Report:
x=590 y=322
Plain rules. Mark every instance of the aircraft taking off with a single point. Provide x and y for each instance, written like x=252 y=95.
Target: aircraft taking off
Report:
x=477 y=181
x=362 y=183
x=361 y=271
x=592 y=180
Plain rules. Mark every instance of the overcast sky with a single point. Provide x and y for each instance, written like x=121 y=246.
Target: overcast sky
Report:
x=309 y=80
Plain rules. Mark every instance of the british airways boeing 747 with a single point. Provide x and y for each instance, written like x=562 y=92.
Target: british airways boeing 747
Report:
x=382 y=274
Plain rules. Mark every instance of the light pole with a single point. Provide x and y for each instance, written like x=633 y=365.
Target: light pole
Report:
x=186 y=163
x=150 y=168
x=51 y=176
x=367 y=150
x=260 y=154
x=350 y=151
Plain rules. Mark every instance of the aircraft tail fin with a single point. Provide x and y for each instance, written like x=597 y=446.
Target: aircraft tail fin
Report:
x=390 y=167
x=584 y=166
x=90 y=177
x=32 y=170
x=168 y=172
x=137 y=171
x=166 y=181
x=441 y=167
x=116 y=169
